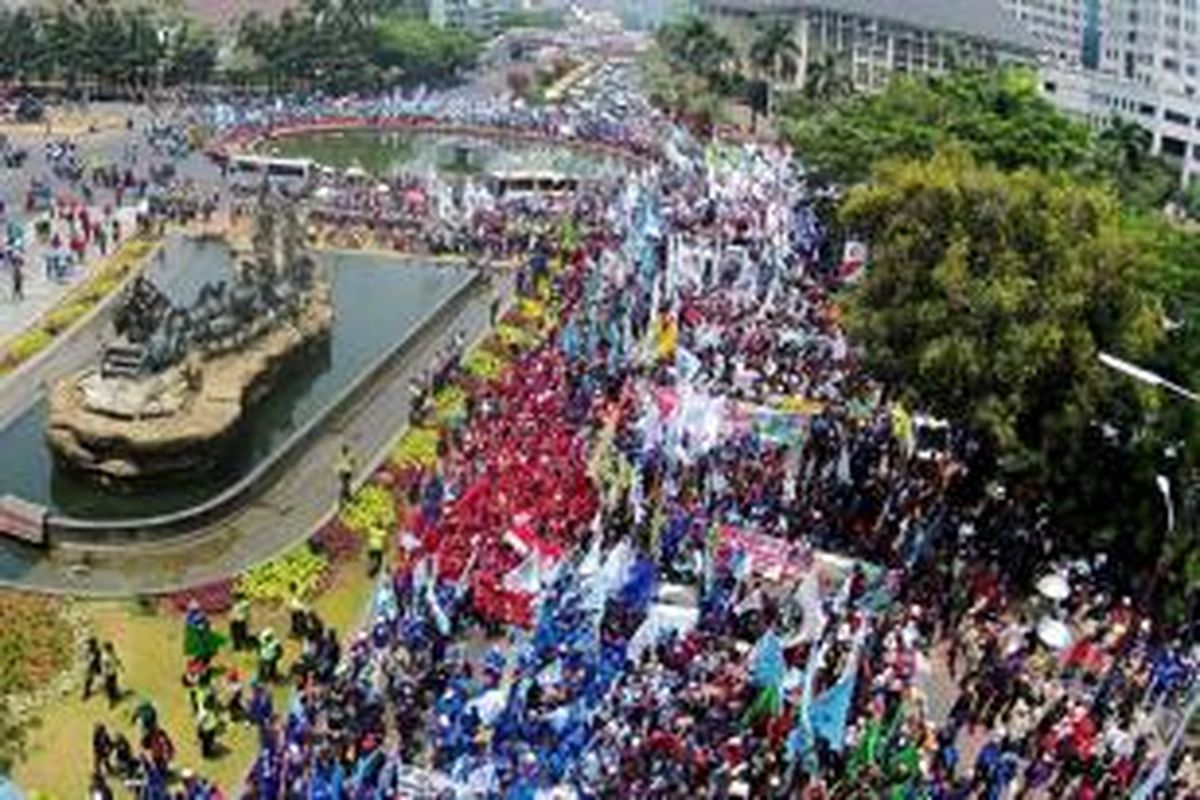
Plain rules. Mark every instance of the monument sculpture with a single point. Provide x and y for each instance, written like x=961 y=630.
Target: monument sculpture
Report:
x=175 y=381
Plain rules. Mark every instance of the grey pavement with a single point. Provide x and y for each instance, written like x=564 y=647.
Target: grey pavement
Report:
x=41 y=292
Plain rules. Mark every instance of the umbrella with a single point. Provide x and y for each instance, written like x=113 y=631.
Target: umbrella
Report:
x=1054 y=586
x=1054 y=633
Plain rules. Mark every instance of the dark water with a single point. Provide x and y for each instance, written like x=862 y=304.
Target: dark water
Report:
x=384 y=153
x=378 y=302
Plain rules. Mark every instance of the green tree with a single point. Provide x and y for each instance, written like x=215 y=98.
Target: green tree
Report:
x=692 y=44
x=422 y=52
x=773 y=56
x=13 y=737
x=825 y=80
x=988 y=299
x=1122 y=153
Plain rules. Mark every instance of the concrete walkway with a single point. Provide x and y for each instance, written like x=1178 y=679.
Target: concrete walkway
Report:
x=41 y=291
x=282 y=515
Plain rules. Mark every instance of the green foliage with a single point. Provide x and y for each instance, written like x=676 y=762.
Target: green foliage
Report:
x=417 y=449
x=483 y=363
x=988 y=299
x=999 y=118
x=272 y=580
x=65 y=316
x=372 y=507
x=693 y=46
x=27 y=345
x=422 y=52
x=774 y=52
x=35 y=642
x=686 y=94
x=106 y=46
x=352 y=46
x=450 y=406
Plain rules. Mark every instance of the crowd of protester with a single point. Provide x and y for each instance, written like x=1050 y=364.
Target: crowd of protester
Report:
x=617 y=581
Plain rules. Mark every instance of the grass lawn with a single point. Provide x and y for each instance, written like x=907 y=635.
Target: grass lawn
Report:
x=149 y=642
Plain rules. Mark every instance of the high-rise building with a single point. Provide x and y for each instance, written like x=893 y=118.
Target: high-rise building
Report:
x=870 y=41
x=1134 y=59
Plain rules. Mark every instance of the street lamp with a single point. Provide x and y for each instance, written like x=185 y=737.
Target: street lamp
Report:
x=1146 y=376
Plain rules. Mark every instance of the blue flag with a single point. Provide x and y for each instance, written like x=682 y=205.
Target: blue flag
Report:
x=768 y=665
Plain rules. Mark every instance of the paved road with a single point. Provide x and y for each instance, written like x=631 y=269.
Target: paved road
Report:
x=108 y=145
x=283 y=514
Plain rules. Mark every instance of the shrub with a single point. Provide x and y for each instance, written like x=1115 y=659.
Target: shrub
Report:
x=65 y=316
x=450 y=405
x=27 y=345
x=272 y=580
x=417 y=448
x=212 y=598
x=36 y=643
x=483 y=364
x=371 y=507
x=513 y=336
x=337 y=541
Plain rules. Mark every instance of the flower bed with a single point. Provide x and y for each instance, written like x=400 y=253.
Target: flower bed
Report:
x=372 y=507
x=417 y=449
x=36 y=643
x=450 y=406
x=337 y=541
x=272 y=580
x=75 y=305
x=483 y=364
x=211 y=598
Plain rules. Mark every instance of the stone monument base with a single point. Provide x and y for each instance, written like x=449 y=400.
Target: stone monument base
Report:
x=177 y=421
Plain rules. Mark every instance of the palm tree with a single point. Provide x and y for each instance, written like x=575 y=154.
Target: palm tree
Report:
x=774 y=52
x=693 y=44
x=826 y=80
x=1127 y=143
x=773 y=56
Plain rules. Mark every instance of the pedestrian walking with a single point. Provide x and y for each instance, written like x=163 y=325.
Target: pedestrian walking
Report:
x=239 y=622
x=102 y=747
x=207 y=726
x=110 y=668
x=270 y=650
x=91 y=660
x=297 y=613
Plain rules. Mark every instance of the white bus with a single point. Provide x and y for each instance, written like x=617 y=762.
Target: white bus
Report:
x=250 y=172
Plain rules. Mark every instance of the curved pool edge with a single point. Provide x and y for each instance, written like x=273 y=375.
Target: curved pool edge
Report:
x=86 y=535
x=235 y=144
x=224 y=550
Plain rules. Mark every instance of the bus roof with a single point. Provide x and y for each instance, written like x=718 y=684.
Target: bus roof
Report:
x=268 y=161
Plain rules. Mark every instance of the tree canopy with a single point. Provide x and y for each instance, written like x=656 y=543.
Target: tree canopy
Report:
x=988 y=300
x=353 y=45
x=110 y=48
x=999 y=117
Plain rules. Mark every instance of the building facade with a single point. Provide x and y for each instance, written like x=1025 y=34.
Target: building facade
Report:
x=870 y=41
x=1134 y=59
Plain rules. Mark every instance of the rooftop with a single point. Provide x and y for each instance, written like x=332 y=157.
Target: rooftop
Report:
x=977 y=19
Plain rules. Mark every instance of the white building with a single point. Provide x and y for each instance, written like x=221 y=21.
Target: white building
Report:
x=871 y=40
x=478 y=16
x=1136 y=59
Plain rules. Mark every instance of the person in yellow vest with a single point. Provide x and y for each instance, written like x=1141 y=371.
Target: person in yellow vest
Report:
x=208 y=724
x=297 y=612
x=376 y=541
x=345 y=473
x=239 y=622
